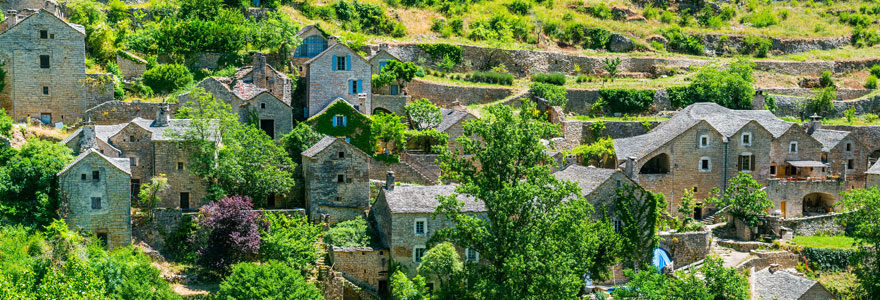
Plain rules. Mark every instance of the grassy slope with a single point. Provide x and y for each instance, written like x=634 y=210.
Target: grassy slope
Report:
x=832 y=242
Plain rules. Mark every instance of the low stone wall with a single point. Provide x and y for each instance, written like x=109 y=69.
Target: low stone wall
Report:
x=580 y=132
x=794 y=67
x=846 y=66
x=809 y=226
x=153 y=231
x=580 y=100
x=742 y=246
x=116 y=112
x=445 y=94
x=764 y=259
x=788 y=106
x=392 y=103
x=686 y=247
x=731 y=44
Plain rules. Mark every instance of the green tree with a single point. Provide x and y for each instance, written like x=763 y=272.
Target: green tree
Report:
x=388 y=132
x=731 y=88
x=300 y=139
x=555 y=95
x=395 y=71
x=167 y=78
x=611 y=66
x=718 y=283
x=423 y=114
x=863 y=206
x=822 y=102
x=744 y=196
x=269 y=280
x=277 y=32
x=724 y=283
x=5 y=121
x=351 y=233
x=538 y=240
x=2 y=77
x=293 y=240
x=29 y=191
x=149 y=193
x=402 y=288
x=638 y=210
x=441 y=262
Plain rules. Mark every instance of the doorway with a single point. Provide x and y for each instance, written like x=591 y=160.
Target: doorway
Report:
x=46 y=118
x=184 y=200
x=782 y=207
x=268 y=126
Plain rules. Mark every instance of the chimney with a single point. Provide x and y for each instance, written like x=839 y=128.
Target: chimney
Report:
x=89 y=138
x=383 y=46
x=332 y=41
x=629 y=168
x=389 y=180
x=259 y=70
x=362 y=102
x=843 y=173
x=162 y=115
x=815 y=123
x=773 y=268
x=11 y=17
x=758 y=100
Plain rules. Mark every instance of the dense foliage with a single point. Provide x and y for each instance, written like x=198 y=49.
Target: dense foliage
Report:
x=599 y=153
x=357 y=127
x=829 y=259
x=864 y=208
x=356 y=16
x=351 y=233
x=293 y=240
x=551 y=78
x=29 y=191
x=718 y=283
x=270 y=280
x=300 y=139
x=396 y=71
x=228 y=233
x=423 y=114
x=388 y=133
x=554 y=94
x=167 y=78
x=745 y=197
x=679 y=41
x=731 y=88
x=639 y=211
x=626 y=101
x=429 y=140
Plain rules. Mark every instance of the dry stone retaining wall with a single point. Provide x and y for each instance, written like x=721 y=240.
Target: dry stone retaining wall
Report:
x=687 y=247
x=787 y=106
x=116 y=112
x=809 y=226
x=445 y=95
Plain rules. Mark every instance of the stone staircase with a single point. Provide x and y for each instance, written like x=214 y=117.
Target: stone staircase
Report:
x=715 y=217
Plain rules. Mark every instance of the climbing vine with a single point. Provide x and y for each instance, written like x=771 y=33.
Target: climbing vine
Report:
x=357 y=125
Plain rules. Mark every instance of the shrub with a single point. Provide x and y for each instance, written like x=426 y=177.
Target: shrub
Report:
x=649 y=12
x=599 y=154
x=761 y=19
x=829 y=259
x=875 y=70
x=167 y=78
x=601 y=11
x=825 y=80
x=293 y=240
x=423 y=114
x=822 y=102
x=627 y=101
x=228 y=233
x=271 y=280
x=519 y=7
x=759 y=46
x=351 y=233
x=864 y=37
x=427 y=140
x=667 y=17
x=871 y=83
x=552 y=78
x=178 y=243
x=441 y=51
x=554 y=94
x=678 y=41
x=731 y=88
x=770 y=103
x=492 y=77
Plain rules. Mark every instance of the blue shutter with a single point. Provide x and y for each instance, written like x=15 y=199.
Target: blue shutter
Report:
x=382 y=64
x=348 y=62
x=334 y=121
x=351 y=86
x=344 y=121
x=360 y=86
x=333 y=66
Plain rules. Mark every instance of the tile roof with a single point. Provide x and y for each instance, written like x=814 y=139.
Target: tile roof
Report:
x=726 y=121
x=781 y=285
x=104 y=132
x=829 y=138
x=120 y=163
x=587 y=178
x=423 y=199
x=450 y=117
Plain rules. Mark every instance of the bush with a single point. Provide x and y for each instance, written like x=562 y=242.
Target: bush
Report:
x=554 y=94
x=864 y=37
x=770 y=103
x=293 y=240
x=626 y=101
x=761 y=19
x=822 y=102
x=271 y=280
x=552 y=78
x=427 y=140
x=667 y=17
x=599 y=154
x=871 y=83
x=519 y=7
x=678 y=41
x=351 y=233
x=731 y=88
x=825 y=80
x=492 y=77
x=167 y=78
x=601 y=11
x=828 y=259
x=178 y=243
x=440 y=51
x=759 y=46
x=649 y=12
x=228 y=233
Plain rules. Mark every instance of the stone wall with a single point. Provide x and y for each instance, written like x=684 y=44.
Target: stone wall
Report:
x=131 y=68
x=686 y=247
x=403 y=172
x=731 y=44
x=809 y=226
x=444 y=95
x=117 y=112
x=94 y=177
x=842 y=94
x=580 y=132
x=763 y=259
x=363 y=266
x=392 y=103
x=580 y=100
x=793 y=192
x=325 y=194
x=153 y=231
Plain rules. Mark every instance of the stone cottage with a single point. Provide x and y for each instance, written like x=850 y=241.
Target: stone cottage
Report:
x=152 y=147
x=337 y=183
x=314 y=42
x=452 y=123
x=598 y=186
x=44 y=59
x=337 y=73
x=404 y=218
x=95 y=190
x=704 y=145
x=774 y=283
x=260 y=94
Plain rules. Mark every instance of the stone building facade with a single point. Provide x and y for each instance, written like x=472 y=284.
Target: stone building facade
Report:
x=152 y=147
x=44 y=58
x=96 y=196
x=130 y=66
x=337 y=73
x=704 y=145
x=337 y=183
x=364 y=266
x=598 y=186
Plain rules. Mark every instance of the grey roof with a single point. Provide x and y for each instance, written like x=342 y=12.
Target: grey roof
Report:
x=355 y=54
x=380 y=52
x=587 y=178
x=829 y=138
x=120 y=163
x=319 y=146
x=423 y=199
x=450 y=117
x=781 y=285
x=76 y=27
x=306 y=28
x=874 y=169
x=807 y=163
x=104 y=132
x=726 y=121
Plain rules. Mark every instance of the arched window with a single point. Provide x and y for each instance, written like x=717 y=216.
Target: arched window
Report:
x=656 y=165
x=311 y=46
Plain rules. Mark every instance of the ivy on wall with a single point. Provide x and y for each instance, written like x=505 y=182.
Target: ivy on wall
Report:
x=357 y=125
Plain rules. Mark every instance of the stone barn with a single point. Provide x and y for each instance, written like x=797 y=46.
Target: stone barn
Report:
x=337 y=183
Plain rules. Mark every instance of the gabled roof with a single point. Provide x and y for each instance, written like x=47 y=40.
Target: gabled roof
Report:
x=309 y=62
x=309 y=27
x=587 y=178
x=829 y=138
x=874 y=169
x=323 y=110
x=450 y=117
x=104 y=132
x=76 y=27
x=325 y=142
x=423 y=199
x=725 y=121
x=120 y=163
x=380 y=52
x=782 y=285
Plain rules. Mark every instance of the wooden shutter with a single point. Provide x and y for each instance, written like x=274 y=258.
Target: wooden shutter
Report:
x=348 y=62
x=334 y=121
x=360 y=86
x=739 y=163
x=752 y=162
x=344 y=121
x=333 y=66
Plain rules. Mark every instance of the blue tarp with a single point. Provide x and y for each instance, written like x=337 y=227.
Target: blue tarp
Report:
x=661 y=259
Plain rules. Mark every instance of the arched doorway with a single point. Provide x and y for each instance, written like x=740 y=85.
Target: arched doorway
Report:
x=380 y=110
x=818 y=204
x=656 y=165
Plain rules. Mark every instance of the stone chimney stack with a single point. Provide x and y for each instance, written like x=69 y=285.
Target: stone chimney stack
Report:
x=630 y=167
x=457 y=106
x=259 y=70
x=383 y=46
x=773 y=268
x=758 y=100
x=389 y=180
x=815 y=123
x=11 y=17
x=89 y=137
x=332 y=41
x=162 y=115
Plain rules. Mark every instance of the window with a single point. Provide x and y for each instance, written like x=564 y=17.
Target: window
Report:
x=418 y=252
x=848 y=146
x=618 y=183
x=772 y=170
x=704 y=141
x=44 y=61
x=850 y=164
x=311 y=46
x=184 y=200
x=45 y=90
x=180 y=166
x=471 y=255
x=96 y=202
x=341 y=154
x=84 y=177
x=705 y=164
x=96 y=175
x=44 y=34
x=747 y=139
x=340 y=178
x=618 y=225
x=746 y=162
x=131 y=138
x=382 y=64
x=420 y=226
x=339 y=121
x=355 y=87
x=394 y=89
x=133 y=161
x=263 y=105
x=793 y=147
x=695 y=190
x=340 y=63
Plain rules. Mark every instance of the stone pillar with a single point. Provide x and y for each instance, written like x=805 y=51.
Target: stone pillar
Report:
x=332 y=41
x=89 y=139
x=12 y=17
x=162 y=115
x=630 y=167
x=389 y=180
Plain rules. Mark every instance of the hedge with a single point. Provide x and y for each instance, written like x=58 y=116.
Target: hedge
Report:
x=491 y=77
x=829 y=259
x=551 y=78
x=439 y=51
x=627 y=101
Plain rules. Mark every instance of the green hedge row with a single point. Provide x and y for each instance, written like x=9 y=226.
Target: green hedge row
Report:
x=829 y=259
x=627 y=101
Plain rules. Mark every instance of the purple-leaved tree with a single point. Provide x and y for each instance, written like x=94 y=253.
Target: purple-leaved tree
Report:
x=228 y=233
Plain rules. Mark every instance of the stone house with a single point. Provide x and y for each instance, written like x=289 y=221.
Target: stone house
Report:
x=704 y=145
x=152 y=147
x=340 y=119
x=366 y=267
x=872 y=176
x=260 y=94
x=21 y=5
x=598 y=186
x=392 y=98
x=774 y=283
x=337 y=183
x=337 y=73
x=404 y=218
x=44 y=58
x=377 y=62
x=452 y=123
x=95 y=190
x=314 y=42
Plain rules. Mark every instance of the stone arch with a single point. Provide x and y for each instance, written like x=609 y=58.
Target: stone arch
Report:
x=658 y=164
x=873 y=157
x=818 y=203
x=381 y=110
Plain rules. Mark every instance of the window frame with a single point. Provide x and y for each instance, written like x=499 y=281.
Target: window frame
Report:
x=416 y=258
x=48 y=59
x=850 y=164
x=424 y=222
x=793 y=147
x=340 y=60
x=708 y=161
x=96 y=203
x=96 y=175
x=849 y=147
x=467 y=255
x=743 y=139
x=702 y=137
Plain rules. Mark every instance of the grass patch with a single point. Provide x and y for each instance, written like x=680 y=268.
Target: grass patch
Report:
x=830 y=242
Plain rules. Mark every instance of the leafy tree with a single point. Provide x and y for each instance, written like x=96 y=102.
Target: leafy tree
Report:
x=724 y=283
x=863 y=206
x=228 y=233
x=167 y=78
x=290 y=239
x=731 y=88
x=395 y=71
x=276 y=32
x=440 y=263
x=825 y=80
x=611 y=66
x=639 y=210
x=423 y=114
x=538 y=239
x=388 y=132
x=556 y=95
x=149 y=193
x=2 y=76
x=300 y=139
x=402 y=288
x=822 y=102
x=29 y=191
x=744 y=196
x=5 y=120
x=600 y=153
x=351 y=233
x=718 y=283
x=271 y=280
